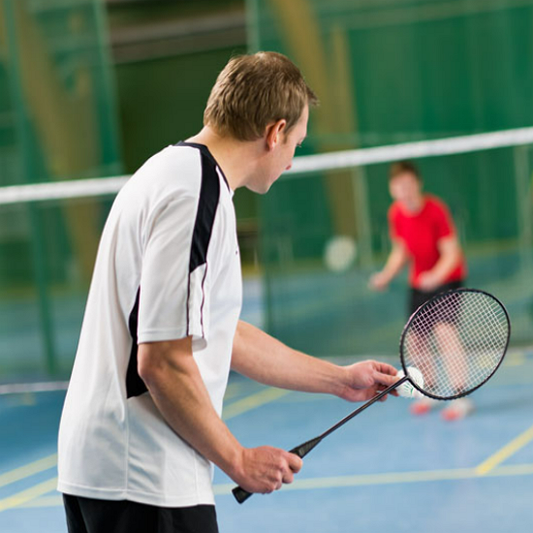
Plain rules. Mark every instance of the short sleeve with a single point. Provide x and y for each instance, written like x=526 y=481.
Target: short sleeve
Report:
x=444 y=226
x=173 y=300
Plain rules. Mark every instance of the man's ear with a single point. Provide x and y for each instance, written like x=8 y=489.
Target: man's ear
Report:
x=275 y=133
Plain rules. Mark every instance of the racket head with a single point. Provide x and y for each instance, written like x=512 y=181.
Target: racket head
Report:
x=456 y=341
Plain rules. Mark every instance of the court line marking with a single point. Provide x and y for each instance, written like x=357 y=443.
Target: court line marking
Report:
x=44 y=501
x=224 y=489
x=232 y=390
x=263 y=397
x=251 y=402
x=234 y=409
x=28 y=470
x=393 y=478
x=517 y=358
x=29 y=494
x=504 y=453
x=47 y=386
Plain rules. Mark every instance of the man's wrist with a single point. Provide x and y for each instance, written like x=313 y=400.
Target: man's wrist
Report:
x=232 y=463
x=343 y=383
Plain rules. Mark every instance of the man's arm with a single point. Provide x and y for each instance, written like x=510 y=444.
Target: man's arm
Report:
x=450 y=255
x=262 y=358
x=176 y=386
x=397 y=259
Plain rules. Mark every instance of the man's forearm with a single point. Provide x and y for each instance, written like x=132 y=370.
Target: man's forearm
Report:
x=176 y=386
x=262 y=358
x=179 y=393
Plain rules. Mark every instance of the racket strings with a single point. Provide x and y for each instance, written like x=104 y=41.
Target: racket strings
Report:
x=457 y=342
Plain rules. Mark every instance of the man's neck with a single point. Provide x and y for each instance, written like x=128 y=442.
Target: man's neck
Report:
x=237 y=159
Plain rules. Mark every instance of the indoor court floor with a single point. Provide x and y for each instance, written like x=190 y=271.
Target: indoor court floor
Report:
x=384 y=471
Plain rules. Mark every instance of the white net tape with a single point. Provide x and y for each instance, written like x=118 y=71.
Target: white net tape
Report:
x=396 y=152
x=302 y=165
x=457 y=341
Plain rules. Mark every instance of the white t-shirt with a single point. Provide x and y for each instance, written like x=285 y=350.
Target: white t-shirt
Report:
x=168 y=266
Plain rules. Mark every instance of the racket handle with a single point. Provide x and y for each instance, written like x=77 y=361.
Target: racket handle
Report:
x=302 y=450
x=240 y=494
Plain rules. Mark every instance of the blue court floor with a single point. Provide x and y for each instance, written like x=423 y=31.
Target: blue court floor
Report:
x=384 y=471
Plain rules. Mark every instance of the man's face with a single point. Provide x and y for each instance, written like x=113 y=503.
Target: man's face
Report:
x=406 y=189
x=279 y=159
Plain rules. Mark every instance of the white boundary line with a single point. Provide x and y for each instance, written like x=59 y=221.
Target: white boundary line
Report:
x=20 y=388
x=40 y=192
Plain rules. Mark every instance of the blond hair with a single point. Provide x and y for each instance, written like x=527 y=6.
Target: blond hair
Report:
x=254 y=91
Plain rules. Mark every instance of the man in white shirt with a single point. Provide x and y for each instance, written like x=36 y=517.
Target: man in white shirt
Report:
x=141 y=425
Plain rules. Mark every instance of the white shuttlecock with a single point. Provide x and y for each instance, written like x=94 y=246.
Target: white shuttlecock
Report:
x=406 y=389
x=340 y=253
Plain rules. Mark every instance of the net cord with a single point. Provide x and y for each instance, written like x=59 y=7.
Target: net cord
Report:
x=303 y=165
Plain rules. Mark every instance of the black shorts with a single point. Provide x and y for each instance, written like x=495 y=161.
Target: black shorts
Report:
x=419 y=297
x=86 y=515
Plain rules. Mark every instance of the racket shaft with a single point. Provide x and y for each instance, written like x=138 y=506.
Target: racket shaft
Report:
x=241 y=495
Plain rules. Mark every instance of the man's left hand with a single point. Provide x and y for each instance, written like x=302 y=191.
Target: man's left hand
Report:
x=366 y=379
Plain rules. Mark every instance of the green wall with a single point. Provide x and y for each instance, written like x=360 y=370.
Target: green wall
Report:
x=161 y=101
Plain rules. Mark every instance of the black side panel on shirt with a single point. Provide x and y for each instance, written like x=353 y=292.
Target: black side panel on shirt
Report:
x=135 y=386
x=203 y=228
x=207 y=207
x=205 y=216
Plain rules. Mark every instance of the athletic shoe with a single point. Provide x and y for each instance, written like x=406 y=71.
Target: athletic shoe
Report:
x=422 y=406
x=458 y=409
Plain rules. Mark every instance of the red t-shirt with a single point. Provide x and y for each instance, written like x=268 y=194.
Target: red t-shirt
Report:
x=421 y=233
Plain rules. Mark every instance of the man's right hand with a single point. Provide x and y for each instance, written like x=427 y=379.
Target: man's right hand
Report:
x=265 y=469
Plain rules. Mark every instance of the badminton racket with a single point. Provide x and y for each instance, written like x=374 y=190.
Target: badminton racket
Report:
x=450 y=346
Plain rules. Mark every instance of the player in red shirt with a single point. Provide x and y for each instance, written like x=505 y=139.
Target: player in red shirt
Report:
x=423 y=235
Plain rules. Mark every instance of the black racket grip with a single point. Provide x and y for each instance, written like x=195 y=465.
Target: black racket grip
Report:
x=240 y=494
x=302 y=450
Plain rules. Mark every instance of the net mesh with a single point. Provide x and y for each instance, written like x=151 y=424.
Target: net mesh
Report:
x=456 y=341
x=326 y=307
x=322 y=230
x=58 y=127
x=387 y=73
x=314 y=292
